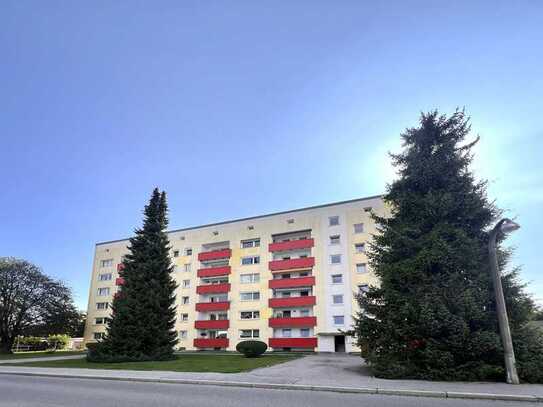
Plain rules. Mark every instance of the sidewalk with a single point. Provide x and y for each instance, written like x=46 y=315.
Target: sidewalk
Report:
x=43 y=359
x=344 y=373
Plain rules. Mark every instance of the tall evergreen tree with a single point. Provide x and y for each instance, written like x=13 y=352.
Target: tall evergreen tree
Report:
x=143 y=314
x=433 y=315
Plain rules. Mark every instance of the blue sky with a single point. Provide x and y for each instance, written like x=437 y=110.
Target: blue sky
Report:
x=242 y=108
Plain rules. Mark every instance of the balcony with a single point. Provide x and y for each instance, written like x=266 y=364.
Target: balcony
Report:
x=120 y=267
x=212 y=324
x=293 y=342
x=291 y=264
x=212 y=306
x=119 y=281
x=292 y=282
x=214 y=271
x=215 y=255
x=213 y=288
x=291 y=245
x=302 y=322
x=211 y=343
x=292 y=302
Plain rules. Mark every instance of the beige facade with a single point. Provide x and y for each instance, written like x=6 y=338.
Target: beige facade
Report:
x=317 y=253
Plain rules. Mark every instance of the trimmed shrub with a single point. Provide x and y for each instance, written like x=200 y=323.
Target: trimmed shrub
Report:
x=251 y=349
x=57 y=342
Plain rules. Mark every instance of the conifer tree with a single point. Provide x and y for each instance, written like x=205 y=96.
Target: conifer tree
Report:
x=433 y=315
x=143 y=314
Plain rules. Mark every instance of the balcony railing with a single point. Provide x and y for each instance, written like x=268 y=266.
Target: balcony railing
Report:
x=215 y=255
x=119 y=281
x=303 y=322
x=212 y=324
x=290 y=264
x=120 y=267
x=213 y=306
x=292 y=282
x=292 y=302
x=293 y=342
x=291 y=245
x=214 y=271
x=213 y=288
x=211 y=343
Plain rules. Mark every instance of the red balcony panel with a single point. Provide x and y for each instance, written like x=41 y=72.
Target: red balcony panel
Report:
x=304 y=262
x=120 y=267
x=212 y=306
x=293 y=342
x=213 y=288
x=209 y=324
x=211 y=343
x=214 y=271
x=215 y=255
x=292 y=282
x=119 y=281
x=291 y=302
x=291 y=245
x=303 y=322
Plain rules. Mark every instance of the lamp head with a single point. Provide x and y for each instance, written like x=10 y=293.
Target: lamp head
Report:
x=508 y=226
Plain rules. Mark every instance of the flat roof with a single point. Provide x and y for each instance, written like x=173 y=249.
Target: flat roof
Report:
x=256 y=217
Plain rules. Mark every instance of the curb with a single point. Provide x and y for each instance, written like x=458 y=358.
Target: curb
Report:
x=356 y=390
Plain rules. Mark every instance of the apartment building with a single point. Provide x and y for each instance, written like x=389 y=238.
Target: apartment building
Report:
x=286 y=278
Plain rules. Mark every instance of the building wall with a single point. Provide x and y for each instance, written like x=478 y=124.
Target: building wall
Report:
x=265 y=227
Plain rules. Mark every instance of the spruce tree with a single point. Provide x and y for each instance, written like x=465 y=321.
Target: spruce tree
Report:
x=143 y=311
x=433 y=315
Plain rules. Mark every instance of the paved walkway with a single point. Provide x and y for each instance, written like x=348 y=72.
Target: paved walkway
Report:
x=40 y=359
x=316 y=370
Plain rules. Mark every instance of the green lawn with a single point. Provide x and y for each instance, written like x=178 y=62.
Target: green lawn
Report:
x=183 y=363
x=44 y=354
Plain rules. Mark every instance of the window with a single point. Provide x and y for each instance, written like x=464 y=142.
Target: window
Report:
x=250 y=260
x=188 y=251
x=363 y=288
x=287 y=332
x=304 y=313
x=186 y=267
x=105 y=277
x=253 y=296
x=337 y=299
x=249 y=278
x=103 y=291
x=339 y=319
x=359 y=228
x=333 y=220
x=337 y=278
x=176 y=253
x=334 y=239
x=249 y=314
x=303 y=274
x=304 y=332
x=182 y=335
x=98 y=335
x=106 y=263
x=186 y=283
x=361 y=268
x=184 y=300
x=249 y=333
x=184 y=317
x=100 y=321
x=360 y=248
x=250 y=243
x=335 y=259
x=102 y=305
x=304 y=293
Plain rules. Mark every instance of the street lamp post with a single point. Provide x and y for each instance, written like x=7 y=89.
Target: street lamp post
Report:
x=505 y=225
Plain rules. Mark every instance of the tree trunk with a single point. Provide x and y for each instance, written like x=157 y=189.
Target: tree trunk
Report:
x=6 y=343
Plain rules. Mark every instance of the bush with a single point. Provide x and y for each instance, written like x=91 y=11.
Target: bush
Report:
x=57 y=342
x=251 y=349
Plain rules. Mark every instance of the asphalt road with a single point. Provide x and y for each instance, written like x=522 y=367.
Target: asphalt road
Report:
x=24 y=391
